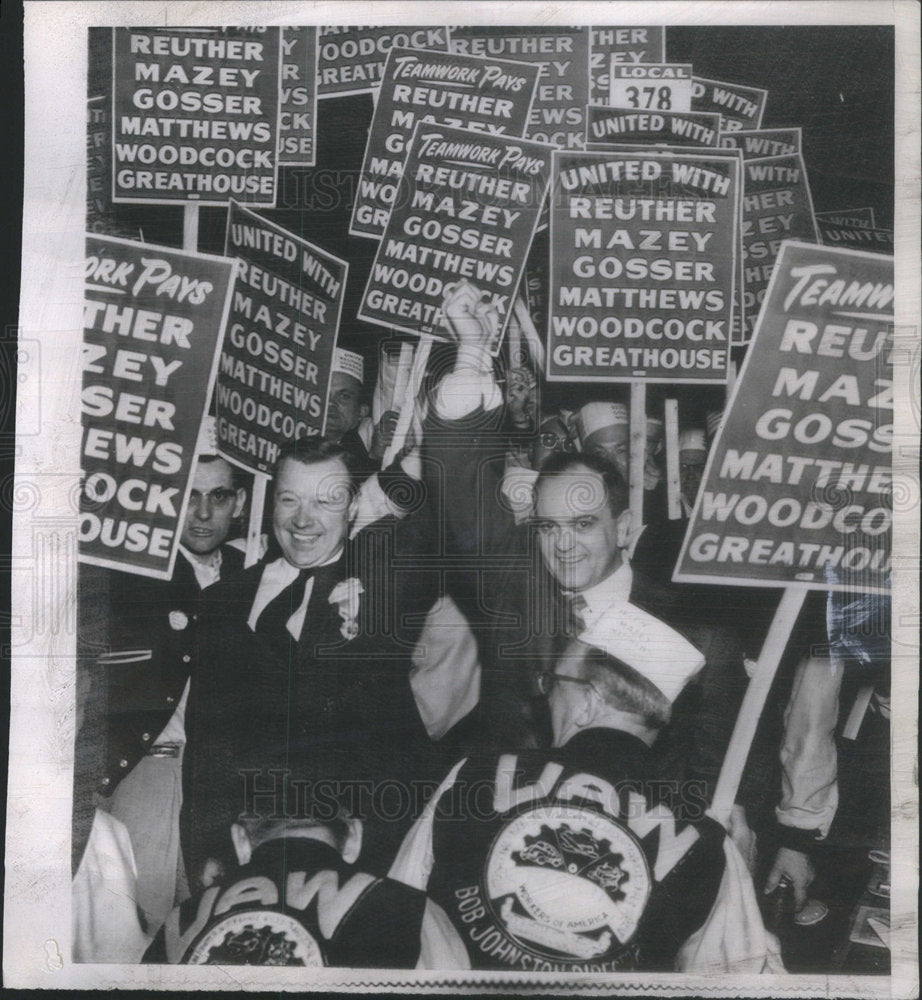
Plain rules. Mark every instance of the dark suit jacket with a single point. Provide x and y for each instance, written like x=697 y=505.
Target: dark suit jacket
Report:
x=261 y=697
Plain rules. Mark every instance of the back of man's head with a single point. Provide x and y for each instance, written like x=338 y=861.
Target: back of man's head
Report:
x=621 y=688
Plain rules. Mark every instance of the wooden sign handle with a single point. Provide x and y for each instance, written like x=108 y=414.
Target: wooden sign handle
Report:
x=255 y=524
x=754 y=701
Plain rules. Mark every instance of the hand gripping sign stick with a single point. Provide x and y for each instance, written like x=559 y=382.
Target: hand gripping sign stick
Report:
x=754 y=701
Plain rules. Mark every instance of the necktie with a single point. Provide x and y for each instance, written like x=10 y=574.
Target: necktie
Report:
x=274 y=618
x=574 y=617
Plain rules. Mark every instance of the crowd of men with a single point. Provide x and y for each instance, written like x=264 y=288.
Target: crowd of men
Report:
x=456 y=716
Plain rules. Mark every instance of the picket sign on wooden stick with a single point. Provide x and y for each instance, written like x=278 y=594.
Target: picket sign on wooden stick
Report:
x=408 y=406
x=516 y=357
x=255 y=524
x=531 y=334
x=754 y=702
x=731 y=378
x=673 y=482
x=638 y=449
x=190 y=228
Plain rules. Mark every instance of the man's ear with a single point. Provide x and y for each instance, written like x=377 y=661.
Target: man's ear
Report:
x=352 y=848
x=623 y=527
x=239 y=502
x=242 y=847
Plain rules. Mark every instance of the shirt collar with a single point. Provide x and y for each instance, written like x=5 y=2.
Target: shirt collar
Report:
x=615 y=587
x=207 y=569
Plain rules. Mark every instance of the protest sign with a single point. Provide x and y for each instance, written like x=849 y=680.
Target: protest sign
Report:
x=776 y=206
x=489 y=95
x=351 y=59
x=298 y=116
x=153 y=322
x=739 y=308
x=739 y=107
x=833 y=234
x=100 y=213
x=558 y=111
x=651 y=87
x=762 y=142
x=471 y=209
x=643 y=266
x=797 y=488
x=856 y=218
x=613 y=46
x=195 y=115
x=275 y=366
x=664 y=128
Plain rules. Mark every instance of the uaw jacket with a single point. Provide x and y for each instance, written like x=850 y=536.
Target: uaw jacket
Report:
x=569 y=860
x=517 y=611
x=138 y=644
x=297 y=903
x=344 y=683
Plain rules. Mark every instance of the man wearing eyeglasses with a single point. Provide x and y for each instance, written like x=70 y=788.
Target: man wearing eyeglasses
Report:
x=131 y=755
x=581 y=858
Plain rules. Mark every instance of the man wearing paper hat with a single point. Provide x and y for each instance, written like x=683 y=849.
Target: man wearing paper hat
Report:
x=345 y=407
x=580 y=855
x=604 y=429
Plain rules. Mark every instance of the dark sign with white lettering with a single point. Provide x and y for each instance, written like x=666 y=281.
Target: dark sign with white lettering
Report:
x=195 y=115
x=797 y=489
x=857 y=237
x=558 y=113
x=298 y=117
x=856 y=218
x=739 y=107
x=471 y=210
x=643 y=266
x=490 y=95
x=352 y=58
x=275 y=366
x=659 y=128
x=153 y=323
x=616 y=46
x=762 y=142
x=776 y=206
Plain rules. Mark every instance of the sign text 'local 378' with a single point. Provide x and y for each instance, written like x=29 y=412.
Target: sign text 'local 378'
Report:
x=277 y=356
x=196 y=115
x=643 y=266
x=153 y=321
x=797 y=489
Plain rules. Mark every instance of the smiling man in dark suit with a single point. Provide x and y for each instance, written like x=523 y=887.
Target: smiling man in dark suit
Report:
x=312 y=644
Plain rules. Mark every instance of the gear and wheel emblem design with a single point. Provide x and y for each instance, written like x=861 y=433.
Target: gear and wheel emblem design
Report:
x=567 y=882
x=257 y=937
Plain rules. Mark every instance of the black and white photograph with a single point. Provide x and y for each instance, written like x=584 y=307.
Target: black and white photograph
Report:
x=466 y=500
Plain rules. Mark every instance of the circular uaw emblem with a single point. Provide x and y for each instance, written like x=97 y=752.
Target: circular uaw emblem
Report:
x=257 y=937
x=567 y=882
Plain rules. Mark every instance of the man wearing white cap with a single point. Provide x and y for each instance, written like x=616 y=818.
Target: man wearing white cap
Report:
x=131 y=758
x=578 y=858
